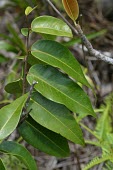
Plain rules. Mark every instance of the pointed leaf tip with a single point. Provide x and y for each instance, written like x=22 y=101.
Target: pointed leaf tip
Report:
x=72 y=9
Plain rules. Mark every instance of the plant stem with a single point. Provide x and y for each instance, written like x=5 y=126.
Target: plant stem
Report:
x=26 y=58
x=89 y=130
x=78 y=31
x=92 y=143
x=58 y=12
x=19 y=139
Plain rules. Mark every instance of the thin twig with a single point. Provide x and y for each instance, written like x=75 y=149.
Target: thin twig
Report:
x=26 y=59
x=58 y=12
x=77 y=30
x=90 y=48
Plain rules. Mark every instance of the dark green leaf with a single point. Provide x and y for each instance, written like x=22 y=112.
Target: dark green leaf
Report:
x=10 y=115
x=44 y=139
x=58 y=87
x=55 y=117
x=20 y=152
x=2 y=167
x=57 y=55
x=50 y=25
x=14 y=87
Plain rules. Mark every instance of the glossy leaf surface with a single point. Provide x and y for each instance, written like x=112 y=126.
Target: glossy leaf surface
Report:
x=58 y=87
x=55 y=117
x=72 y=8
x=50 y=25
x=10 y=115
x=2 y=167
x=55 y=54
x=44 y=139
x=20 y=152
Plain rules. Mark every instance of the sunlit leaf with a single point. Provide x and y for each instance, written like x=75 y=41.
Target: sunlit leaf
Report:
x=10 y=115
x=28 y=10
x=72 y=8
x=60 y=88
x=50 y=25
x=55 y=54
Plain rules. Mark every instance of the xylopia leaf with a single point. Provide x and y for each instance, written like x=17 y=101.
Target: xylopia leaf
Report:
x=9 y=116
x=14 y=87
x=58 y=87
x=57 y=55
x=55 y=117
x=2 y=167
x=20 y=152
x=50 y=25
x=72 y=8
x=44 y=139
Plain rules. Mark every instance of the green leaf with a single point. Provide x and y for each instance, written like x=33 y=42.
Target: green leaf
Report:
x=6 y=46
x=28 y=10
x=14 y=87
x=50 y=25
x=57 y=55
x=24 y=31
x=103 y=126
x=10 y=115
x=44 y=139
x=55 y=117
x=58 y=87
x=20 y=152
x=2 y=167
x=16 y=39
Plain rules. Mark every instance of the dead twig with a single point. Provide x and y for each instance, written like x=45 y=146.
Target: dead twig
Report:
x=77 y=30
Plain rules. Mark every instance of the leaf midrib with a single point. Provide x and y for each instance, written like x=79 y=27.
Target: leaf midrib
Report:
x=61 y=92
x=46 y=137
x=9 y=118
x=58 y=60
x=62 y=31
x=57 y=120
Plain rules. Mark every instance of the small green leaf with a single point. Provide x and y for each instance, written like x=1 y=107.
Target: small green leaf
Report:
x=44 y=139
x=24 y=31
x=57 y=55
x=28 y=10
x=50 y=25
x=2 y=167
x=58 y=87
x=72 y=8
x=14 y=87
x=20 y=152
x=10 y=115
